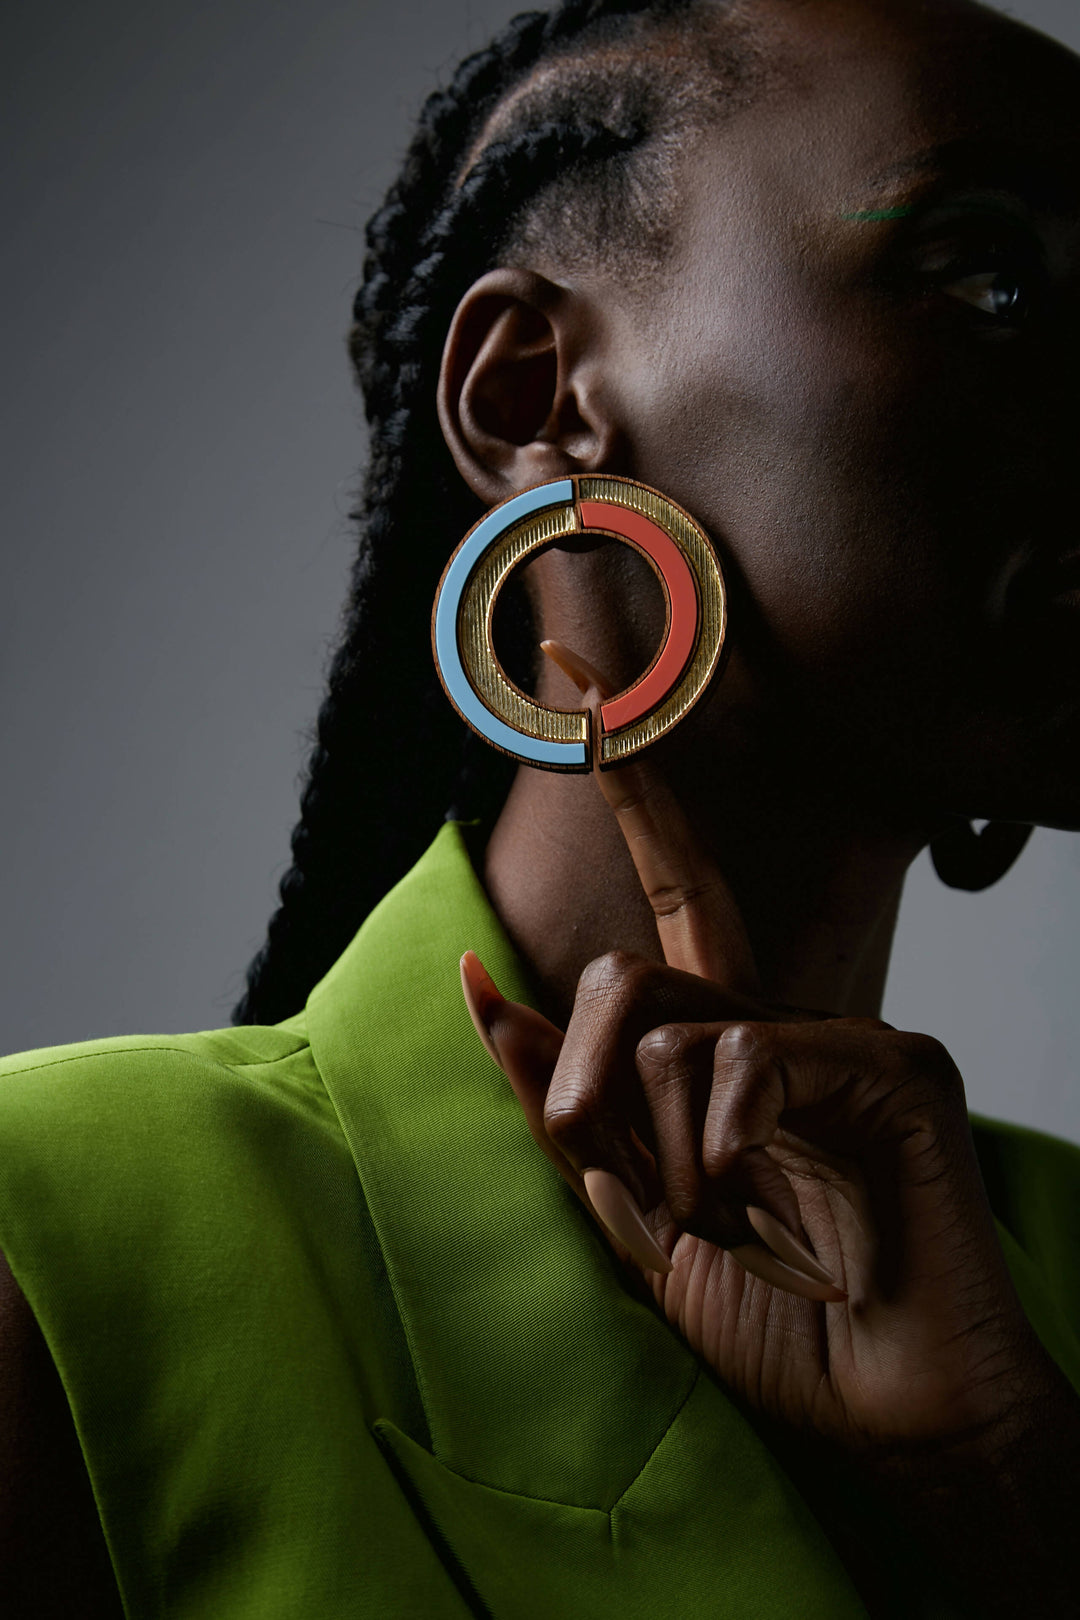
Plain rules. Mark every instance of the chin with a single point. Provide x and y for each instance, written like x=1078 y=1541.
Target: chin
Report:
x=1031 y=769
x=1045 y=798
x=1065 y=818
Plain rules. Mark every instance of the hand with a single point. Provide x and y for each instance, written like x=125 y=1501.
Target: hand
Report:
x=842 y=1142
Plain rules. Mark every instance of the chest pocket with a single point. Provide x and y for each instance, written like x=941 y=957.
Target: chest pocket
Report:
x=710 y=1527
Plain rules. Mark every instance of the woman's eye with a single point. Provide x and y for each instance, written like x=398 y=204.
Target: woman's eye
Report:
x=999 y=294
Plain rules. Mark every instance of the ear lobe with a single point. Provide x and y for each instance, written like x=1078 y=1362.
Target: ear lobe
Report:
x=511 y=388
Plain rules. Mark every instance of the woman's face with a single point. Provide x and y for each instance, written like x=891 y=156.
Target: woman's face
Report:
x=866 y=382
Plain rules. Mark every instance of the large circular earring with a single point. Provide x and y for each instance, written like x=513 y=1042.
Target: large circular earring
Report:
x=966 y=859
x=680 y=554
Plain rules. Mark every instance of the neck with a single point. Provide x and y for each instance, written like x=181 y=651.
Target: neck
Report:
x=819 y=890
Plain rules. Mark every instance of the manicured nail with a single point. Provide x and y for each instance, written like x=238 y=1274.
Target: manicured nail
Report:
x=483 y=1000
x=785 y=1244
x=761 y=1262
x=583 y=674
x=617 y=1208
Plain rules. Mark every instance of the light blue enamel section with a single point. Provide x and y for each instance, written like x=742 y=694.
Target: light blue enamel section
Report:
x=446 y=644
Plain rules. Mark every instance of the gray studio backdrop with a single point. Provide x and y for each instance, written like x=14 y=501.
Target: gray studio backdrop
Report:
x=183 y=190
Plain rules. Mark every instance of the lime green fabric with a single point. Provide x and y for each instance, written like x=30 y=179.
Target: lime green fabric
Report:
x=339 y=1342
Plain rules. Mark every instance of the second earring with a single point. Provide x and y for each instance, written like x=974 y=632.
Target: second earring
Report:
x=680 y=554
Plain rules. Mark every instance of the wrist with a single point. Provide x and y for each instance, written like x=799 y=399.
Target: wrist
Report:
x=995 y=1505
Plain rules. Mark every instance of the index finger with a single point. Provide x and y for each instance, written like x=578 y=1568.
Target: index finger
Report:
x=699 y=923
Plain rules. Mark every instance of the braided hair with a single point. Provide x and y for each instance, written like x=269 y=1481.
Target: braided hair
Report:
x=565 y=131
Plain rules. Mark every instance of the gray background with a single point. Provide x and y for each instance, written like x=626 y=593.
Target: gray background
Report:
x=183 y=191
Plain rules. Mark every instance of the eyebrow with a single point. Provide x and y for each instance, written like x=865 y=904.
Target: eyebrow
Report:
x=1048 y=179
x=881 y=213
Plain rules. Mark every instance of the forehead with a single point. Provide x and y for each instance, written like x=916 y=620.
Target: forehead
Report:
x=869 y=101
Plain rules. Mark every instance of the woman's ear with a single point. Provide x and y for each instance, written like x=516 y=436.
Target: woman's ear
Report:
x=518 y=397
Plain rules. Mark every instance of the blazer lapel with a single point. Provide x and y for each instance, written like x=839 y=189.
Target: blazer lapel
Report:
x=582 y=1459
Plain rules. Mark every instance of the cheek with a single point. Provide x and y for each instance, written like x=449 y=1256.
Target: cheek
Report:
x=821 y=477
x=882 y=505
x=871 y=508
x=873 y=479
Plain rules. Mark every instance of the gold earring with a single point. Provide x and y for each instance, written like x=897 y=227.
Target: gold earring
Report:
x=680 y=554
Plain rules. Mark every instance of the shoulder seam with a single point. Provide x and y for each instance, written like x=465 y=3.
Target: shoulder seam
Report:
x=125 y=1051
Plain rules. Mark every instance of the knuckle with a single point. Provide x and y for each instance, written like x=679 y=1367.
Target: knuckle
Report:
x=661 y=1048
x=922 y=1054
x=742 y=1042
x=569 y=1121
x=718 y=1160
x=928 y=1086
x=743 y=1112
x=683 y=1199
x=668 y=900
x=617 y=976
x=876 y=1026
x=601 y=973
x=586 y=1132
x=580 y=1116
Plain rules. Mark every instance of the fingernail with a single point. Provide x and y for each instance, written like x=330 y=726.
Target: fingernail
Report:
x=483 y=1000
x=583 y=674
x=761 y=1262
x=786 y=1245
x=617 y=1208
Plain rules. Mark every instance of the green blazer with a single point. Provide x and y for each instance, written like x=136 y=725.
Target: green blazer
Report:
x=339 y=1342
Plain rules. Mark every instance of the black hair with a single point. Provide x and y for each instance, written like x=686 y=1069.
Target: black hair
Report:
x=565 y=130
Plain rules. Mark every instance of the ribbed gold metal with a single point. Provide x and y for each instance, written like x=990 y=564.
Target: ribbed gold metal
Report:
x=475 y=632
x=619 y=745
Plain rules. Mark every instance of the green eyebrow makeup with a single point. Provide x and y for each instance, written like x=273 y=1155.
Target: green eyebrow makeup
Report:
x=865 y=215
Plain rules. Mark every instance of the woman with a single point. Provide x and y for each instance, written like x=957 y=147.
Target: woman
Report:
x=334 y=1336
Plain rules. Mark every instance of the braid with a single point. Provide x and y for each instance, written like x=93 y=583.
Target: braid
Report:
x=481 y=162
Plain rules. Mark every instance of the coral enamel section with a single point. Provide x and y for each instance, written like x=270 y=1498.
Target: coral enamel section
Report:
x=674 y=656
